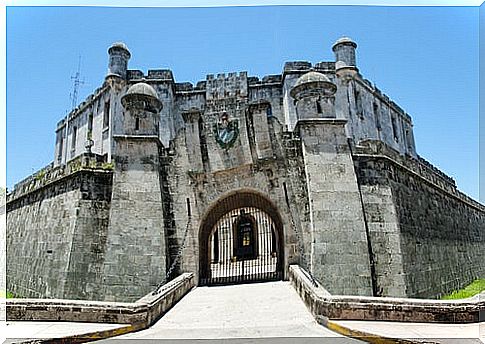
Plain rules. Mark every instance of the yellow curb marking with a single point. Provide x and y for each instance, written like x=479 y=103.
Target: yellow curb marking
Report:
x=368 y=337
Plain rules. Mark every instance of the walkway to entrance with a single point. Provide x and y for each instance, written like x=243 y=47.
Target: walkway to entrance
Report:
x=257 y=310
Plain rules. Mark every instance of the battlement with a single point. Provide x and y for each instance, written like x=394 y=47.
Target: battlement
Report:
x=296 y=66
x=417 y=165
x=183 y=86
x=383 y=97
x=325 y=67
x=153 y=74
x=222 y=86
x=82 y=106
x=50 y=174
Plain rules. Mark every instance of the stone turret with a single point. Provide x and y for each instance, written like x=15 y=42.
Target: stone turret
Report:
x=136 y=200
x=118 y=60
x=143 y=108
x=344 y=49
x=314 y=94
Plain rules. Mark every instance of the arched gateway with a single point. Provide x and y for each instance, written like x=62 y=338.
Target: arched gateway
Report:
x=241 y=240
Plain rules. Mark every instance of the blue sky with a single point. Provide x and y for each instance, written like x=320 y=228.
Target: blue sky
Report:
x=424 y=58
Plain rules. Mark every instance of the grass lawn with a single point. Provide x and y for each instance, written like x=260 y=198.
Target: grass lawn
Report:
x=8 y=294
x=474 y=288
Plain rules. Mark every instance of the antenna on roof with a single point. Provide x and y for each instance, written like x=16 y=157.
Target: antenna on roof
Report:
x=77 y=82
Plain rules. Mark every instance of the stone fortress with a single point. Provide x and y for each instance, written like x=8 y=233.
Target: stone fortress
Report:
x=236 y=178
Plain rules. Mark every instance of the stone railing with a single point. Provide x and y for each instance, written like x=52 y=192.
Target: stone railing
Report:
x=50 y=173
x=141 y=313
x=342 y=307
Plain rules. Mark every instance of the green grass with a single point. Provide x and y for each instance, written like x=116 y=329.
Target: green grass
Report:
x=472 y=289
x=8 y=294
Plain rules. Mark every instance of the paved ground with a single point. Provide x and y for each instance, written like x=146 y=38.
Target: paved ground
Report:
x=19 y=331
x=263 y=310
x=272 y=340
x=435 y=333
x=252 y=313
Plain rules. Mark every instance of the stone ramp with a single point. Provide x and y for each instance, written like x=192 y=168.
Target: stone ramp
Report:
x=258 y=310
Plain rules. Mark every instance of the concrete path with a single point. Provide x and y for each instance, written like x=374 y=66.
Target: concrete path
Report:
x=419 y=332
x=253 y=313
x=261 y=310
x=22 y=331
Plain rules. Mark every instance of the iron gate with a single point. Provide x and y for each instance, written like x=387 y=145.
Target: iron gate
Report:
x=243 y=246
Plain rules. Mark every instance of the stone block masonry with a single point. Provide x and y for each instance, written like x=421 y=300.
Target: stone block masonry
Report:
x=340 y=258
x=56 y=234
x=135 y=249
x=339 y=307
x=427 y=240
x=153 y=177
x=140 y=314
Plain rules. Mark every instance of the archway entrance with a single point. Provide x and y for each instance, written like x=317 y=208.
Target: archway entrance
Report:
x=241 y=241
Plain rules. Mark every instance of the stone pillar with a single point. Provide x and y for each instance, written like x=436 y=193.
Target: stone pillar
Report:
x=192 y=139
x=259 y=115
x=339 y=256
x=339 y=245
x=135 y=258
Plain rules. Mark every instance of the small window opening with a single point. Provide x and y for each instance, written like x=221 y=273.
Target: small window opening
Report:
x=358 y=104
x=287 y=199
x=137 y=123
x=408 y=139
x=189 y=212
x=90 y=126
x=106 y=114
x=319 y=107
x=73 y=140
x=90 y=121
x=61 y=144
x=376 y=116
x=394 y=129
x=269 y=113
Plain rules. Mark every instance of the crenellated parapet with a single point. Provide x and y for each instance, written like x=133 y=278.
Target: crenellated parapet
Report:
x=374 y=149
x=50 y=174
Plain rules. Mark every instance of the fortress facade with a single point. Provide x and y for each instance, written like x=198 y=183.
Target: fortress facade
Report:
x=234 y=179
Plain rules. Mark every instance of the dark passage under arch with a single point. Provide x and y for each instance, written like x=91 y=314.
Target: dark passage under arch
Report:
x=241 y=240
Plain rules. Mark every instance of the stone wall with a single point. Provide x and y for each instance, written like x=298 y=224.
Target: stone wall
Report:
x=135 y=257
x=142 y=313
x=340 y=257
x=372 y=115
x=197 y=193
x=50 y=232
x=325 y=306
x=427 y=237
x=90 y=120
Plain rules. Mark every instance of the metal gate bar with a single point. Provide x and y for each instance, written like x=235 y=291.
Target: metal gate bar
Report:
x=225 y=266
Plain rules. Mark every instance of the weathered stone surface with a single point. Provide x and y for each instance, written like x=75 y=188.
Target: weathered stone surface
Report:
x=338 y=307
x=427 y=237
x=56 y=236
x=142 y=164
x=143 y=313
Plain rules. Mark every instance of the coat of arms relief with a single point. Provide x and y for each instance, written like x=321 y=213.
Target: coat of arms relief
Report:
x=226 y=131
